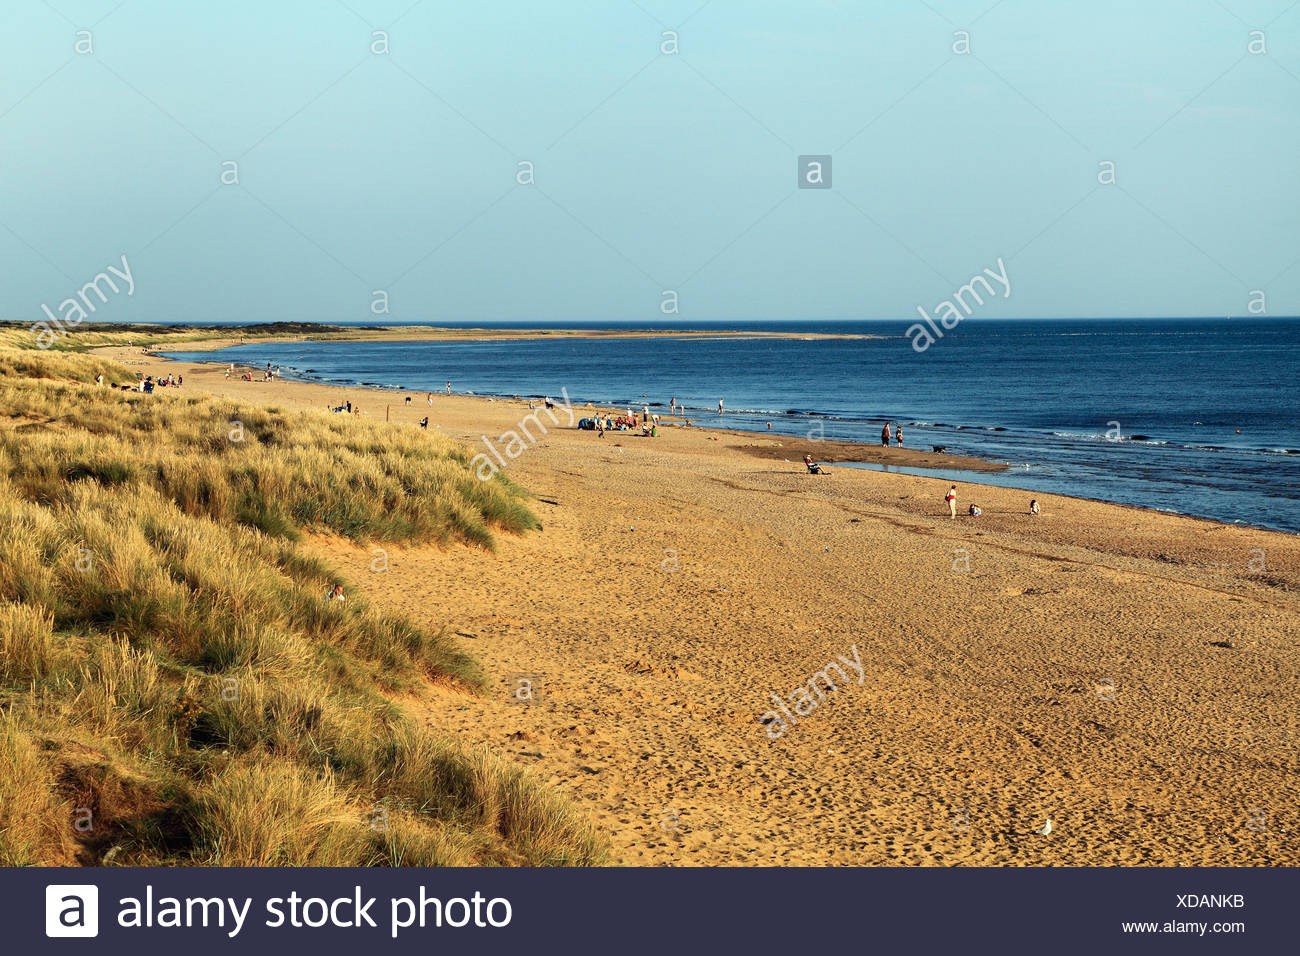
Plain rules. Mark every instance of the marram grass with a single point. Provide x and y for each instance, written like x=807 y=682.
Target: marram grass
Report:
x=173 y=687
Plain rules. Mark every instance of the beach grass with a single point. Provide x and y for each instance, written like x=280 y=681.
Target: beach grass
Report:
x=174 y=689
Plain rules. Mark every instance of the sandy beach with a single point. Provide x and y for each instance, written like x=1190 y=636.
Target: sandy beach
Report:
x=1128 y=674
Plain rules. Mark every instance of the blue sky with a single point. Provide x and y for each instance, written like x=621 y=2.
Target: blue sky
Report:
x=396 y=171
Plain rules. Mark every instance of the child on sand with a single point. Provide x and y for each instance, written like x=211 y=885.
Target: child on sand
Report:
x=951 y=498
x=1033 y=506
x=898 y=436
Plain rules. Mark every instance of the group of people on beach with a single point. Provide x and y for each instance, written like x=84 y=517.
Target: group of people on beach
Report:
x=607 y=423
x=950 y=499
x=885 y=434
x=645 y=419
x=975 y=510
x=268 y=374
x=147 y=383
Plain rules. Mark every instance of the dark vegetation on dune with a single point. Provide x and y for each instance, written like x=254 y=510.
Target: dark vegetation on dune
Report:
x=141 y=331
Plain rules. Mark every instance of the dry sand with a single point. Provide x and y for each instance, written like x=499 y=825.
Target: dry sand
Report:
x=1129 y=674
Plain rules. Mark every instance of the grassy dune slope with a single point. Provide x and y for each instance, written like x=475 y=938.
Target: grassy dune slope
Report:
x=173 y=687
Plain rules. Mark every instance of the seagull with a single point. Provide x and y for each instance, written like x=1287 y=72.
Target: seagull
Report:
x=1046 y=829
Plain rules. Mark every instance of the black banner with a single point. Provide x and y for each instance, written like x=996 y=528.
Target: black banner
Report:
x=652 y=911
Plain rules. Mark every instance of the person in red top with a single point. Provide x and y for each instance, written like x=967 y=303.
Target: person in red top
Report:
x=951 y=498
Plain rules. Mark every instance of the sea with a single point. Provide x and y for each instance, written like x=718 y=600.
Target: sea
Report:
x=1191 y=416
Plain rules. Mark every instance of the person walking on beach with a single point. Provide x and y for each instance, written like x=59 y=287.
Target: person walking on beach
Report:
x=428 y=399
x=449 y=388
x=884 y=435
x=898 y=436
x=951 y=498
x=719 y=406
x=672 y=405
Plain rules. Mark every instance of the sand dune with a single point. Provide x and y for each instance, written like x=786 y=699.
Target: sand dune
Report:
x=1129 y=674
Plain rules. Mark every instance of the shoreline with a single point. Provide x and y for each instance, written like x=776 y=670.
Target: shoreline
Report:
x=765 y=445
x=770 y=446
